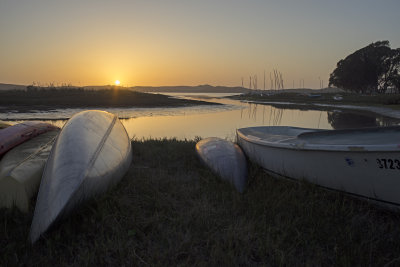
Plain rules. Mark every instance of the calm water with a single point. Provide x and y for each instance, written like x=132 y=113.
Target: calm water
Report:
x=221 y=121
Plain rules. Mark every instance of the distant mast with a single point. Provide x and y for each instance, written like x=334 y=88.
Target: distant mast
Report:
x=264 y=79
x=270 y=78
x=250 y=83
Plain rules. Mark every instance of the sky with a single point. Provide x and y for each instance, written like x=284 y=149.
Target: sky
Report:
x=186 y=42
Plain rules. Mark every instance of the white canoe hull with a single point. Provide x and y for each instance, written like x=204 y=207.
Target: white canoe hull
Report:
x=374 y=174
x=91 y=153
x=224 y=158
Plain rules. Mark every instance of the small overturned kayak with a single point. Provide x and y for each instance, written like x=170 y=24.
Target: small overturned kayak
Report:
x=21 y=169
x=91 y=153
x=226 y=159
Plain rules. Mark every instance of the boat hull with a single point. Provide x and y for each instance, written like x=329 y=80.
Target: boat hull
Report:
x=91 y=153
x=369 y=174
x=3 y=125
x=226 y=159
x=21 y=132
x=21 y=169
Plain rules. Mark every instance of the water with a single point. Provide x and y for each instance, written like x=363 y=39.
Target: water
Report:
x=211 y=120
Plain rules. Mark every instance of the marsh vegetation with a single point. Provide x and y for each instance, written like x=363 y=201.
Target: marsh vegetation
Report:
x=171 y=210
x=48 y=99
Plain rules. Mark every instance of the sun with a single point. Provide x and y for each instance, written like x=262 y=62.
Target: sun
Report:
x=117 y=82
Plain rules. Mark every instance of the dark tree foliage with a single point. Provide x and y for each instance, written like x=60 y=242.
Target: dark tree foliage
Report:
x=392 y=77
x=347 y=120
x=372 y=69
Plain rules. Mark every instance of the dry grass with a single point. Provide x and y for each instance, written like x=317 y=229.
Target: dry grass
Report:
x=170 y=210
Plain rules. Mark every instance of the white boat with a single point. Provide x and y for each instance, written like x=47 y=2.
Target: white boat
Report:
x=363 y=162
x=21 y=169
x=226 y=159
x=91 y=153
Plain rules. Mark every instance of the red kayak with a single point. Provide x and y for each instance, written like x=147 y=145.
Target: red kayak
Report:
x=21 y=132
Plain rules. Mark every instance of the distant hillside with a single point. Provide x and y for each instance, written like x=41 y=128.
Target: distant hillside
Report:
x=183 y=89
x=144 y=89
x=102 y=87
x=191 y=89
x=6 y=86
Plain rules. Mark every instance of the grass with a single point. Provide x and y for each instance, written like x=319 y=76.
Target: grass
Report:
x=171 y=210
x=386 y=100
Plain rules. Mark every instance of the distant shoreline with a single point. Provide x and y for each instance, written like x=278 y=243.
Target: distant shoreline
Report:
x=144 y=89
x=387 y=112
x=48 y=100
x=387 y=105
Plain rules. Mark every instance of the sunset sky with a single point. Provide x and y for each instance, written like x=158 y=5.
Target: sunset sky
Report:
x=186 y=42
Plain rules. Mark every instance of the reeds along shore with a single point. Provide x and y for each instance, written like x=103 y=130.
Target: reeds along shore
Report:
x=171 y=210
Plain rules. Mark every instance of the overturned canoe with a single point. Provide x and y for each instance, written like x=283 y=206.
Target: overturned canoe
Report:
x=226 y=159
x=21 y=169
x=21 y=132
x=363 y=162
x=91 y=153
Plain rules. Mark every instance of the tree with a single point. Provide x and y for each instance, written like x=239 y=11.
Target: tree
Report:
x=373 y=68
x=392 y=77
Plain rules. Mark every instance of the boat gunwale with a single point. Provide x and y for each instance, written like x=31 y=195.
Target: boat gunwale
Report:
x=318 y=147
